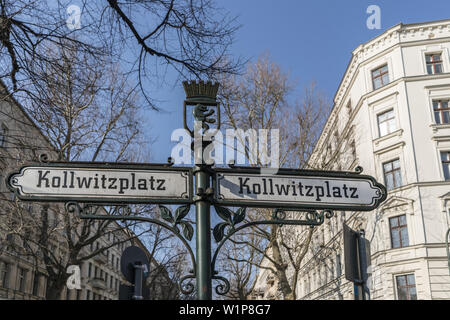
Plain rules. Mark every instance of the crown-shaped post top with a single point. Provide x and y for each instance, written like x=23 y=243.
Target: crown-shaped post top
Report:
x=200 y=90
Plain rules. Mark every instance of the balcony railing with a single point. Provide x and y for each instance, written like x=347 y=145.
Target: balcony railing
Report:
x=98 y=283
x=101 y=258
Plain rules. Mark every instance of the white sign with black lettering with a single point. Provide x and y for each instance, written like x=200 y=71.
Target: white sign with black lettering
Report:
x=98 y=184
x=298 y=191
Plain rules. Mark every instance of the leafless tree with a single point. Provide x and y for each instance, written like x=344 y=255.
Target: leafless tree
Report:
x=239 y=265
x=86 y=113
x=262 y=99
x=81 y=87
x=148 y=38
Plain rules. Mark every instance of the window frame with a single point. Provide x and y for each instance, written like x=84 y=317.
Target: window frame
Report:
x=446 y=162
x=440 y=110
x=3 y=135
x=21 y=278
x=399 y=169
x=407 y=286
x=393 y=118
x=349 y=107
x=380 y=76
x=399 y=228
x=36 y=288
x=5 y=274
x=433 y=63
x=89 y=269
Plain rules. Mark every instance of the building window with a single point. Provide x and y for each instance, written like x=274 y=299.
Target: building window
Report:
x=338 y=266
x=380 y=77
x=21 y=275
x=406 y=287
x=399 y=232
x=434 y=63
x=353 y=150
x=386 y=123
x=35 y=289
x=308 y=285
x=88 y=295
x=3 y=135
x=90 y=270
x=332 y=269
x=4 y=274
x=445 y=157
x=441 y=111
x=349 y=107
x=392 y=174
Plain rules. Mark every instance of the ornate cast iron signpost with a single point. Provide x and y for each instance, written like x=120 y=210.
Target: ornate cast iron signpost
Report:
x=312 y=194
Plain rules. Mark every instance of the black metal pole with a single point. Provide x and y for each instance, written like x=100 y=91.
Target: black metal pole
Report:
x=138 y=278
x=362 y=263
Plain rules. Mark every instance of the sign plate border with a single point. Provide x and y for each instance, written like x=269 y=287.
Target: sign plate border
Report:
x=300 y=173
x=103 y=166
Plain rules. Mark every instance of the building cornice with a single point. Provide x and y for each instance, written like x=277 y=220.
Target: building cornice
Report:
x=324 y=134
x=405 y=34
x=400 y=35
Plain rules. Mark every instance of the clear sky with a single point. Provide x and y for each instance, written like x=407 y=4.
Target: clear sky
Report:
x=311 y=40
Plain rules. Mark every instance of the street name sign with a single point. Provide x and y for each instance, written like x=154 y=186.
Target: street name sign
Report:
x=288 y=188
x=102 y=182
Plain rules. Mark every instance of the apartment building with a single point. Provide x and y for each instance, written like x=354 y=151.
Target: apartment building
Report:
x=23 y=274
x=391 y=116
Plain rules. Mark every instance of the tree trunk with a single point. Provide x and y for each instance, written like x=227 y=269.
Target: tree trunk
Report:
x=285 y=288
x=55 y=288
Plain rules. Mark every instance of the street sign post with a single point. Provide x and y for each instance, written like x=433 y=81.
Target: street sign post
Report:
x=289 y=188
x=314 y=193
x=357 y=259
x=135 y=267
x=103 y=182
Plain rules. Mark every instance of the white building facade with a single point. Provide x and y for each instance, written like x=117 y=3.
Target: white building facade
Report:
x=391 y=116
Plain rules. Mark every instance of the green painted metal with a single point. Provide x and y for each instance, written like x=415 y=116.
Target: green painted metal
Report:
x=88 y=211
x=203 y=223
x=225 y=230
x=202 y=95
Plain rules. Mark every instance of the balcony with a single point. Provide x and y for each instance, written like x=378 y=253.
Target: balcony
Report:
x=98 y=283
x=101 y=258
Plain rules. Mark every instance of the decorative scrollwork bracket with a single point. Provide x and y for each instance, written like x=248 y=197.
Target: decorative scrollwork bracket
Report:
x=90 y=211
x=224 y=230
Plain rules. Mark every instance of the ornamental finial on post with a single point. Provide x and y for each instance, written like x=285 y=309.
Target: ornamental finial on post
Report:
x=202 y=95
x=201 y=92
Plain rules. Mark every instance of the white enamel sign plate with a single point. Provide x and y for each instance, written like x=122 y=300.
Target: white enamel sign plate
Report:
x=97 y=184
x=327 y=191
